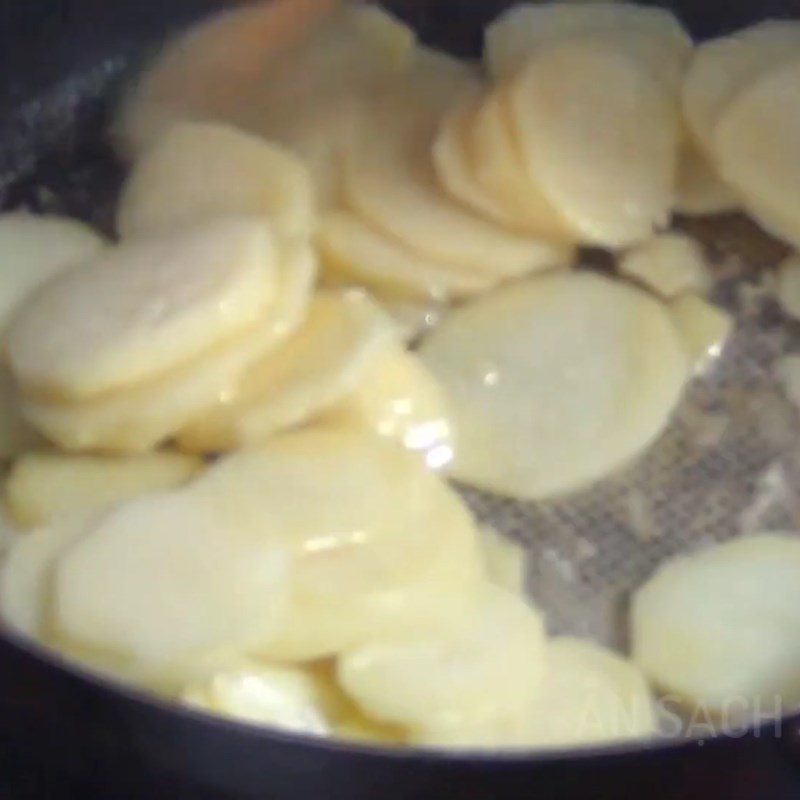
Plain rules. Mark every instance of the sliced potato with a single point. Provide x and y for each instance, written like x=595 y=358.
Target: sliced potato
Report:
x=44 y=488
x=33 y=249
x=788 y=288
x=143 y=309
x=140 y=418
x=606 y=161
x=352 y=250
x=591 y=696
x=539 y=412
x=476 y=686
x=699 y=190
x=200 y=170
x=704 y=328
x=719 y=627
x=323 y=362
x=723 y=67
x=668 y=264
x=17 y=435
x=651 y=35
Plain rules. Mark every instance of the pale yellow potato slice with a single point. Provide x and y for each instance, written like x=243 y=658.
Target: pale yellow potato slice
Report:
x=651 y=35
x=378 y=543
x=214 y=70
x=35 y=248
x=170 y=578
x=398 y=398
x=591 y=696
x=719 y=628
x=699 y=190
x=605 y=160
x=669 y=264
x=325 y=360
x=476 y=686
x=501 y=170
x=555 y=382
x=199 y=171
x=756 y=144
x=44 y=488
x=140 y=418
x=143 y=309
x=788 y=286
x=351 y=250
x=17 y=436
x=704 y=328
x=722 y=68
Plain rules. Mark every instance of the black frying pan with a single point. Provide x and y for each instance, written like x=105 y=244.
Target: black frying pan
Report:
x=64 y=733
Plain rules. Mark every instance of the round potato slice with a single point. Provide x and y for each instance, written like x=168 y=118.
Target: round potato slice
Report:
x=756 y=142
x=721 y=68
x=200 y=171
x=143 y=309
x=352 y=250
x=325 y=360
x=556 y=381
x=591 y=696
x=33 y=249
x=651 y=35
x=139 y=418
x=699 y=190
x=476 y=686
x=719 y=627
x=605 y=160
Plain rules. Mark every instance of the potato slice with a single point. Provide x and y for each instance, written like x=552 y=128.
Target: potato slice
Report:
x=140 y=418
x=699 y=190
x=143 y=309
x=719 y=628
x=723 y=67
x=200 y=171
x=17 y=436
x=474 y=687
x=517 y=366
x=756 y=140
x=605 y=160
x=399 y=399
x=378 y=543
x=591 y=696
x=33 y=249
x=668 y=264
x=323 y=362
x=651 y=35
x=352 y=250
x=704 y=328
x=788 y=287
x=501 y=170
x=44 y=488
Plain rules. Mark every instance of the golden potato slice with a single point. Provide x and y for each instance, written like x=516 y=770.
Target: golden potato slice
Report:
x=44 y=488
x=199 y=171
x=138 y=419
x=556 y=381
x=703 y=327
x=756 y=143
x=353 y=251
x=605 y=160
x=699 y=189
x=475 y=686
x=142 y=309
x=324 y=361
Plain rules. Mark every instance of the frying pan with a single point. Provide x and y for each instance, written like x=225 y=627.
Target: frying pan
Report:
x=67 y=733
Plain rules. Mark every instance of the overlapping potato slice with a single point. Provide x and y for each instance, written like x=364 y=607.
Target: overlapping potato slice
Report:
x=605 y=160
x=723 y=67
x=538 y=411
x=16 y=433
x=343 y=335
x=200 y=171
x=352 y=250
x=35 y=248
x=139 y=418
x=788 y=285
x=478 y=685
x=590 y=696
x=703 y=327
x=756 y=144
x=699 y=190
x=44 y=488
x=651 y=35
x=668 y=264
x=143 y=309
x=719 y=628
